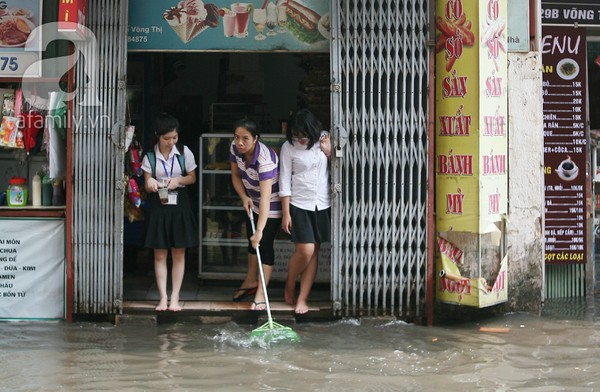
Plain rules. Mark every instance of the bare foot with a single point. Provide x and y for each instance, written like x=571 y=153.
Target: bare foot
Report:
x=174 y=305
x=258 y=305
x=162 y=305
x=301 y=307
x=290 y=295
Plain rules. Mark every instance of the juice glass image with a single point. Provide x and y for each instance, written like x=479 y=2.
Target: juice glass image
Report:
x=242 y=16
x=229 y=24
x=281 y=18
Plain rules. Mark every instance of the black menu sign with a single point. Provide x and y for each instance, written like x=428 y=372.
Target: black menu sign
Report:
x=560 y=12
x=564 y=91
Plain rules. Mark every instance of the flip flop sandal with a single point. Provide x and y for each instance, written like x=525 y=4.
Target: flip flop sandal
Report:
x=259 y=303
x=246 y=291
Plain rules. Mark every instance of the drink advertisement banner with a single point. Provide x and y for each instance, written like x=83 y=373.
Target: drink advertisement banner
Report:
x=19 y=48
x=564 y=90
x=471 y=166
x=220 y=25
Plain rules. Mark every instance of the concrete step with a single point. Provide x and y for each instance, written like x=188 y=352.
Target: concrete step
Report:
x=211 y=312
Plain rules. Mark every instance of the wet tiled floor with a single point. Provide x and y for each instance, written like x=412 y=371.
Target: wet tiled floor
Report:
x=142 y=288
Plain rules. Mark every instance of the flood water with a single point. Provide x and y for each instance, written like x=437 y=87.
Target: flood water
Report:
x=548 y=353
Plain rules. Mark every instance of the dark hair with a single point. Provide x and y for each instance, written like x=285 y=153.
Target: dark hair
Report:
x=165 y=123
x=304 y=122
x=247 y=124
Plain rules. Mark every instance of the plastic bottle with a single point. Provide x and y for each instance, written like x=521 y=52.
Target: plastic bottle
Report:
x=36 y=191
x=58 y=195
x=46 y=191
x=16 y=195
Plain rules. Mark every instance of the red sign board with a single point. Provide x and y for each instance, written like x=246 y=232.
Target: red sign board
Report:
x=71 y=18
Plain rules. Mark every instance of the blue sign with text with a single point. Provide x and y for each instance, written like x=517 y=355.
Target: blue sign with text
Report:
x=259 y=25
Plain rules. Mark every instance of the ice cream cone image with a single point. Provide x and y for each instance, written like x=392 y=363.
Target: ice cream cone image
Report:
x=176 y=17
x=191 y=17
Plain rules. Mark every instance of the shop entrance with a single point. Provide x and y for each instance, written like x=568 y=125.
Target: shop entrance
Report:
x=208 y=92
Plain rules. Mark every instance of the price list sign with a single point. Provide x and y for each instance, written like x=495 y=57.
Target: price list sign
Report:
x=564 y=91
x=32 y=269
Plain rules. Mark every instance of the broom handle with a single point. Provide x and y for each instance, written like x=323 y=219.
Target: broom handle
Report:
x=262 y=274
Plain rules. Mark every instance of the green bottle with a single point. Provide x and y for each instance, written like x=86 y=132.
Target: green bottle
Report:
x=46 y=191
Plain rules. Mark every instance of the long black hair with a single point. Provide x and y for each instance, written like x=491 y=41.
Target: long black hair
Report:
x=165 y=123
x=304 y=122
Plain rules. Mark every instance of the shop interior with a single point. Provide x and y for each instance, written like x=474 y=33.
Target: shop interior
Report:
x=208 y=92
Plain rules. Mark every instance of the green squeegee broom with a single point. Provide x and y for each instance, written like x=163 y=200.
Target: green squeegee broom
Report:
x=270 y=330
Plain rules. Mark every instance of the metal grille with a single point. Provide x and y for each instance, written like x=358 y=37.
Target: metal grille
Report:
x=379 y=106
x=565 y=281
x=98 y=185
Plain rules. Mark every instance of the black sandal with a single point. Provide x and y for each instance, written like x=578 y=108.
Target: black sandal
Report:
x=246 y=291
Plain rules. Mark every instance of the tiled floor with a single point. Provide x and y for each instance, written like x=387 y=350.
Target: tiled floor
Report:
x=143 y=288
x=140 y=293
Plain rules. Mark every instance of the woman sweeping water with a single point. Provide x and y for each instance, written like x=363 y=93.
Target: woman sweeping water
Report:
x=255 y=177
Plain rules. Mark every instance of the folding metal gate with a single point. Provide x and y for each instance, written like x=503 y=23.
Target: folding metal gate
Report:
x=98 y=156
x=379 y=106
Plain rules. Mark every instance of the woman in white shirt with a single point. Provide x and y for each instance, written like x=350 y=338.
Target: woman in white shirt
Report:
x=170 y=225
x=304 y=188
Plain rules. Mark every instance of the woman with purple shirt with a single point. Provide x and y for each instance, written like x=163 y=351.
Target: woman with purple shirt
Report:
x=255 y=177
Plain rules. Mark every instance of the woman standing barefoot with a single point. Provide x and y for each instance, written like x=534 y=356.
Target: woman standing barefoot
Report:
x=305 y=201
x=170 y=223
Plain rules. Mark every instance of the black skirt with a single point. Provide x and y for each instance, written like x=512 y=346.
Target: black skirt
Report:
x=310 y=227
x=171 y=226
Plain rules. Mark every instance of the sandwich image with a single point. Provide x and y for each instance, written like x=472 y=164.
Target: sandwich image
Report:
x=302 y=22
x=191 y=17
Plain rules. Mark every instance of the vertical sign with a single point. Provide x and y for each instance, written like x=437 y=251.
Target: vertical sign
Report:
x=493 y=111
x=564 y=91
x=471 y=115
x=71 y=18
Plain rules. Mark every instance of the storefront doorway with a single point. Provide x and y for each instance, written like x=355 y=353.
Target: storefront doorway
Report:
x=208 y=92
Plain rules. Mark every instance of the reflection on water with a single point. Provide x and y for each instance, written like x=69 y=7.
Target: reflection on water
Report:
x=537 y=354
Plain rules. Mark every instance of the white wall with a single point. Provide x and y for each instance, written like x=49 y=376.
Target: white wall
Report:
x=525 y=234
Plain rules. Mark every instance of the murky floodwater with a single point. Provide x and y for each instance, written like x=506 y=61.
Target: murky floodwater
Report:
x=537 y=354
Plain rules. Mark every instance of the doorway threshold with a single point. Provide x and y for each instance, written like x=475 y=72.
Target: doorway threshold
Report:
x=221 y=312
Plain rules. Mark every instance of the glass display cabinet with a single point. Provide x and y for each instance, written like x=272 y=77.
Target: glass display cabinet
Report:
x=222 y=223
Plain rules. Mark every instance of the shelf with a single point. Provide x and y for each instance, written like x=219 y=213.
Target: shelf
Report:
x=219 y=241
x=211 y=171
x=222 y=208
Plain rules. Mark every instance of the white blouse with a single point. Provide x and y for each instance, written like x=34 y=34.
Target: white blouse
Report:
x=170 y=168
x=304 y=176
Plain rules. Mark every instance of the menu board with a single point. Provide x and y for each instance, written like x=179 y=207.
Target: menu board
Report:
x=564 y=92
x=32 y=269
